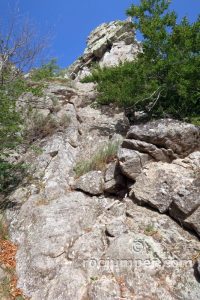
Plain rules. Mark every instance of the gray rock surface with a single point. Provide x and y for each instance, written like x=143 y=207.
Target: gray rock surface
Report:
x=64 y=251
x=73 y=245
x=115 y=183
x=181 y=138
x=171 y=187
x=109 y=44
x=131 y=162
x=91 y=182
x=159 y=154
x=119 y=53
x=104 y=288
x=193 y=221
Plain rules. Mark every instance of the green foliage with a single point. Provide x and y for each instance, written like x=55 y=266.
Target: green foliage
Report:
x=9 y=118
x=10 y=175
x=10 y=130
x=195 y=120
x=46 y=71
x=99 y=160
x=165 y=77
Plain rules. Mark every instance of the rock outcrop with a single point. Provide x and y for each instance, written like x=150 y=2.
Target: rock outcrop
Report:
x=174 y=138
x=108 y=45
x=149 y=156
x=114 y=237
x=92 y=183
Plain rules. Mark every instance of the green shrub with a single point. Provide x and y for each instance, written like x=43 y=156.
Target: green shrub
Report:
x=99 y=160
x=195 y=120
x=46 y=71
x=10 y=175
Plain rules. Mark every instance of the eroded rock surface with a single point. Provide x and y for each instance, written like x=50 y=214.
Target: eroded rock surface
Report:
x=98 y=243
x=109 y=44
x=178 y=137
x=172 y=187
x=131 y=162
x=80 y=246
x=92 y=183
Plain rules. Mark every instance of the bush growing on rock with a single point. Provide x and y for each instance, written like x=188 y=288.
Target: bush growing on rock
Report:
x=164 y=79
x=20 y=47
x=46 y=71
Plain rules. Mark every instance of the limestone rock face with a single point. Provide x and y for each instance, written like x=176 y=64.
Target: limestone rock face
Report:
x=45 y=232
x=100 y=38
x=109 y=44
x=78 y=246
x=91 y=182
x=120 y=52
x=99 y=242
x=163 y=159
x=178 y=137
x=131 y=162
x=166 y=185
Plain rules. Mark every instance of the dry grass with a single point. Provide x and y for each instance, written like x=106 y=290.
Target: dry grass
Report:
x=150 y=230
x=41 y=126
x=99 y=160
x=8 y=250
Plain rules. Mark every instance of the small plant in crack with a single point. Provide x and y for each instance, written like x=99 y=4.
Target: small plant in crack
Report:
x=150 y=230
x=99 y=160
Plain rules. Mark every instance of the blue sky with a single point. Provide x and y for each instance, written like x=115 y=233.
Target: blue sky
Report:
x=70 y=22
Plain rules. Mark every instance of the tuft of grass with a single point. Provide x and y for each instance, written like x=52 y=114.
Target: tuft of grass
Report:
x=41 y=126
x=150 y=230
x=37 y=150
x=99 y=160
x=3 y=229
x=5 y=288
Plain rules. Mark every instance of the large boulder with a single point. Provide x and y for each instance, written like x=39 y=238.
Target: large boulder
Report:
x=91 y=182
x=131 y=162
x=159 y=154
x=178 y=137
x=171 y=187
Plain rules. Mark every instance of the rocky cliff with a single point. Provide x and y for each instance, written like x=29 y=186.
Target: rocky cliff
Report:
x=108 y=45
x=108 y=211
